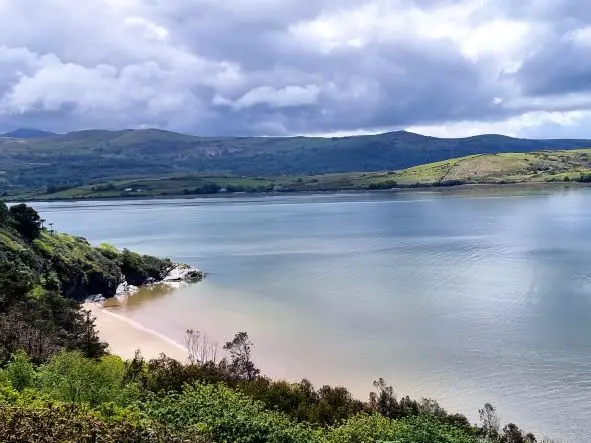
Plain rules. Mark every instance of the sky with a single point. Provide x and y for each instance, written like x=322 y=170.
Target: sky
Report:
x=290 y=67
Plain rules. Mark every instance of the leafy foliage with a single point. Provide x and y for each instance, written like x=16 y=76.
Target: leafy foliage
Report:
x=139 y=269
x=54 y=422
x=225 y=415
x=418 y=429
x=81 y=269
x=25 y=220
x=42 y=326
x=69 y=377
x=43 y=274
x=241 y=364
x=66 y=264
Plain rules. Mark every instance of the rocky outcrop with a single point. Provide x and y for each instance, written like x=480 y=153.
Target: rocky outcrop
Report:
x=181 y=272
x=98 y=298
x=125 y=289
x=178 y=274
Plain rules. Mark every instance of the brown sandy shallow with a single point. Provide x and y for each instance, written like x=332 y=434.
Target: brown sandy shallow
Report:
x=125 y=336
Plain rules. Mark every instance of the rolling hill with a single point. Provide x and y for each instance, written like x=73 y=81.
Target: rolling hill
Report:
x=94 y=156
x=27 y=133
x=505 y=168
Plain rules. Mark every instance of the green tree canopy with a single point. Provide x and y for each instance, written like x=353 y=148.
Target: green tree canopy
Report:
x=26 y=220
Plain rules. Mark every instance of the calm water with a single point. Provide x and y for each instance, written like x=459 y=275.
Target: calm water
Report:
x=463 y=298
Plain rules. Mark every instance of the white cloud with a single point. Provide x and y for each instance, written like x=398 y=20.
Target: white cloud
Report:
x=275 y=98
x=284 y=67
x=530 y=124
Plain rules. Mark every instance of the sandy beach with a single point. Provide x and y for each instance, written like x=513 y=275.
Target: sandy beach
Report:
x=125 y=336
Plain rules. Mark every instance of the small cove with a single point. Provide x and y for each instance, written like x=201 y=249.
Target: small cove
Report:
x=464 y=298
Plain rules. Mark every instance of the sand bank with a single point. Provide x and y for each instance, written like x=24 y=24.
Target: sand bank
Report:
x=125 y=336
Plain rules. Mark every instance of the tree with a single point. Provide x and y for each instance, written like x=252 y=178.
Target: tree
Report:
x=384 y=401
x=512 y=434
x=88 y=340
x=26 y=220
x=241 y=364
x=200 y=348
x=490 y=421
x=3 y=213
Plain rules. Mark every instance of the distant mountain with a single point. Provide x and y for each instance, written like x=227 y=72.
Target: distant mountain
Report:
x=27 y=133
x=99 y=155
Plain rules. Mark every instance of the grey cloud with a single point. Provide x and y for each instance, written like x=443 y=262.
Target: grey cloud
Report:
x=560 y=67
x=235 y=67
x=555 y=11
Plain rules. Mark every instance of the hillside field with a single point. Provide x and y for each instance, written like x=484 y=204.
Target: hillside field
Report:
x=50 y=161
x=496 y=169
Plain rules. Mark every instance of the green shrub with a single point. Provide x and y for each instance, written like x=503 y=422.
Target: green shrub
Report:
x=58 y=423
x=20 y=372
x=109 y=251
x=364 y=428
x=226 y=416
x=44 y=325
x=81 y=269
x=138 y=269
x=426 y=429
x=70 y=377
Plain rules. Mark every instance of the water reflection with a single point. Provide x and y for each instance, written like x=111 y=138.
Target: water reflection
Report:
x=143 y=297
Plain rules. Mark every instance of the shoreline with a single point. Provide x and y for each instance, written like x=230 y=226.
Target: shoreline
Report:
x=477 y=187
x=125 y=336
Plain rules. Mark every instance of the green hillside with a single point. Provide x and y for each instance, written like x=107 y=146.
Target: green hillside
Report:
x=93 y=156
x=543 y=166
x=506 y=168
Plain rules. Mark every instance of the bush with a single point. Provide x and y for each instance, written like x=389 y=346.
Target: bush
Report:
x=58 y=423
x=386 y=184
x=109 y=251
x=20 y=371
x=44 y=325
x=226 y=416
x=70 y=377
x=138 y=269
x=454 y=182
x=325 y=406
x=367 y=428
x=81 y=269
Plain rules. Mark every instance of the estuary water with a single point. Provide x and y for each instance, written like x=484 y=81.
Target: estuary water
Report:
x=465 y=298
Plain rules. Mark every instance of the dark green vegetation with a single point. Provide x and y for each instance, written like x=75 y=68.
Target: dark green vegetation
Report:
x=62 y=161
x=57 y=384
x=44 y=273
x=46 y=260
x=506 y=168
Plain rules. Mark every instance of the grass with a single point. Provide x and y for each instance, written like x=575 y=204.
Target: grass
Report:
x=504 y=168
x=543 y=166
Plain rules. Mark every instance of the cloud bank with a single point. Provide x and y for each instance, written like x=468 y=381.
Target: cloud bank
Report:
x=283 y=67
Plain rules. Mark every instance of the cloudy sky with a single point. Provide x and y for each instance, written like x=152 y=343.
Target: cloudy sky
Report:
x=281 y=67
